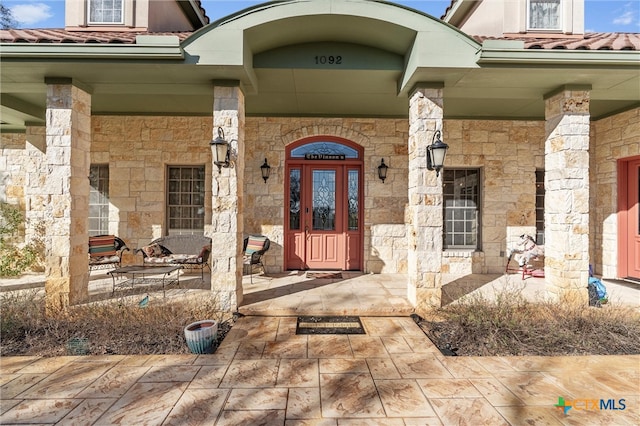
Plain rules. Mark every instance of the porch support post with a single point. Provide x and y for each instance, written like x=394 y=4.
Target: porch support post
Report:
x=425 y=200
x=65 y=192
x=227 y=223
x=566 y=218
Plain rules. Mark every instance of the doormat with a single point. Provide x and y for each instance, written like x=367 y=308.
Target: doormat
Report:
x=325 y=275
x=329 y=325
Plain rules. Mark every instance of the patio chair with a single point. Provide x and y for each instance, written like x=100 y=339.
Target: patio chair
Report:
x=254 y=247
x=105 y=251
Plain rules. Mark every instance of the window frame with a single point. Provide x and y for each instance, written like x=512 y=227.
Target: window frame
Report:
x=477 y=226
x=99 y=173
x=168 y=205
x=529 y=24
x=113 y=22
x=540 y=195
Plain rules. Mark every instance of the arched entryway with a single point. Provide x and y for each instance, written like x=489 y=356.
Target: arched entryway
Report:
x=324 y=205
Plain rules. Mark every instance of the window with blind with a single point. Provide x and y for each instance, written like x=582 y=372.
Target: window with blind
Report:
x=106 y=11
x=185 y=199
x=544 y=14
x=99 y=199
x=540 y=207
x=461 y=191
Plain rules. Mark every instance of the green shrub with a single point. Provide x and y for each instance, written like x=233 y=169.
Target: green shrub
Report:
x=16 y=259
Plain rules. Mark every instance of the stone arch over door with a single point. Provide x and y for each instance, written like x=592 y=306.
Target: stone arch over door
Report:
x=324 y=205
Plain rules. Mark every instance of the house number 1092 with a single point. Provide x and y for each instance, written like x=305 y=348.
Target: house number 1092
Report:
x=331 y=60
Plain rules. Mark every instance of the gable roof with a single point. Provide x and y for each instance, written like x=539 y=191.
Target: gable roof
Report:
x=273 y=51
x=590 y=41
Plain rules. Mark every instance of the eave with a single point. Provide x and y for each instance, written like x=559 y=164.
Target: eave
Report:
x=582 y=58
x=147 y=47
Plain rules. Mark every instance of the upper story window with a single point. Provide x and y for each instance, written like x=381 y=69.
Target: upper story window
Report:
x=544 y=14
x=106 y=11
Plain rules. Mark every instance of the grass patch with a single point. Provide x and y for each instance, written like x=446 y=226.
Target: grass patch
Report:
x=101 y=328
x=508 y=324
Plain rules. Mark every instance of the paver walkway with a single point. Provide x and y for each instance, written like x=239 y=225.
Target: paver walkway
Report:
x=263 y=373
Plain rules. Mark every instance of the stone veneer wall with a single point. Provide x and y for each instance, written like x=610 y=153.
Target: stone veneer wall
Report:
x=22 y=171
x=612 y=138
x=138 y=150
x=14 y=162
x=508 y=154
x=384 y=222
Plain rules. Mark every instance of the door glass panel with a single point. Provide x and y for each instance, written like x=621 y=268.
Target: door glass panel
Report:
x=353 y=200
x=324 y=200
x=324 y=151
x=294 y=199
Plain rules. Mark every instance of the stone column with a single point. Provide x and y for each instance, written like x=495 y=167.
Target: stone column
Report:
x=567 y=192
x=424 y=216
x=36 y=176
x=227 y=223
x=66 y=192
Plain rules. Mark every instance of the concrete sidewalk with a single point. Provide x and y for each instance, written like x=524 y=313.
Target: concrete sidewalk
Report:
x=263 y=373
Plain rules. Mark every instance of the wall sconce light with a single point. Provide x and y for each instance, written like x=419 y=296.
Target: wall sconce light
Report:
x=220 y=150
x=436 y=153
x=265 y=169
x=382 y=170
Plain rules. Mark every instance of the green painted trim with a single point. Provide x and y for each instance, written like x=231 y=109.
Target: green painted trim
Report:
x=94 y=51
x=226 y=83
x=568 y=88
x=10 y=130
x=17 y=104
x=388 y=117
x=328 y=56
x=150 y=114
x=58 y=80
x=616 y=112
x=34 y=124
x=580 y=58
x=157 y=40
x=489 y=117
x=503 y=44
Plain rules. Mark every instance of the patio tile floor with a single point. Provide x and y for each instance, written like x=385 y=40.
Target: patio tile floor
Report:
x=275 y=377
x=263 y=373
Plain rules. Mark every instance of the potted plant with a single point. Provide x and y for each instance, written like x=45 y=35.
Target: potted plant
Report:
x=201 y=336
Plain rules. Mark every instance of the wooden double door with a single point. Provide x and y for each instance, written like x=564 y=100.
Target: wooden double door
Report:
x=323 y=224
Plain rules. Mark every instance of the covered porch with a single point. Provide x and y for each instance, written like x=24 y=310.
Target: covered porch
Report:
x=294 y=293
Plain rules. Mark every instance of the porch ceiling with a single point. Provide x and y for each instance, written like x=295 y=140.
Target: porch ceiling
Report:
x=268 y=49
x=178 y=89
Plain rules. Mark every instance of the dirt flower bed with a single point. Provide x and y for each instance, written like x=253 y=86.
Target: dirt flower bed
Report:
x=113 y=328
x=510 y=325
x=505 y=325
